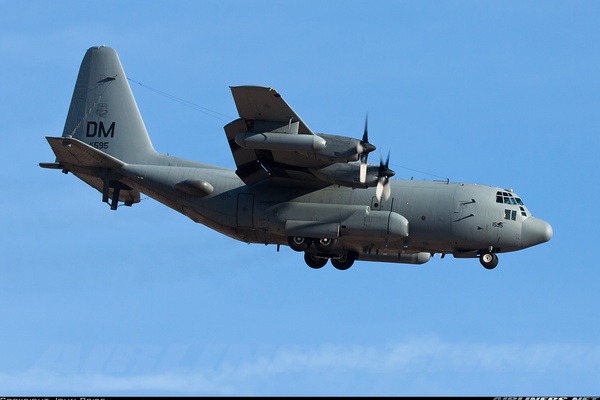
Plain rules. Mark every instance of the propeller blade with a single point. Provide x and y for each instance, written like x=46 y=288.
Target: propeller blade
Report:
x=365 y=137
x=384 y=170
x=383 y=182
x=379 y=189
x=387 y=190
x=383 y=188
x=363 y=169
x=364 y=147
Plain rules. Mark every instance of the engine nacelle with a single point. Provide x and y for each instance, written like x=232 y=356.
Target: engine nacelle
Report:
x=280 y=141
x=338 y=149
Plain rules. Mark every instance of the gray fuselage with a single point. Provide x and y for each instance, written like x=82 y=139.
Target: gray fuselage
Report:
x=443 y=217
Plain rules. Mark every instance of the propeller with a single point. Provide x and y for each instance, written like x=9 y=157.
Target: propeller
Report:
x=383 y=179
x=364 y=148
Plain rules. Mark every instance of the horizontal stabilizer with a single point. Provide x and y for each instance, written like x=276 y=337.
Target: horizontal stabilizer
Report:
x=94 y=167
x=70 y=151
x=51 y=165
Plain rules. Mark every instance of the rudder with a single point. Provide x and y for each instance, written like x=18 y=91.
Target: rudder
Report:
x=103 y=112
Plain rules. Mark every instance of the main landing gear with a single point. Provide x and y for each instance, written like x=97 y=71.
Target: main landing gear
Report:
x=341 y=262
x=325 y=251
x=324 y=245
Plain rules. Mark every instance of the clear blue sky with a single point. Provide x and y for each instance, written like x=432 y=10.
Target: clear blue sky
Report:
x=144 y=301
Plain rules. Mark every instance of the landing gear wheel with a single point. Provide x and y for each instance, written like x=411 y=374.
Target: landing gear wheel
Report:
x=299 y=243
x=324 y=245
x=313 y=261
x=344 y=262
x=488 y=260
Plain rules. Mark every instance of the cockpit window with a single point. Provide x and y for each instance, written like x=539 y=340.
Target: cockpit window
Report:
x=509 y=198
x=510 y=214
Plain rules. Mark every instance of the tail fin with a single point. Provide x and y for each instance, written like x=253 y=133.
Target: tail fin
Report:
x=103 y=112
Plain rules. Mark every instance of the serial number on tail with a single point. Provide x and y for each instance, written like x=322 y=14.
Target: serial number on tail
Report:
x=99 y=145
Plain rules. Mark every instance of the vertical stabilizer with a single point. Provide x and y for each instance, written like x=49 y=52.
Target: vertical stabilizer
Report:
x=103 y=112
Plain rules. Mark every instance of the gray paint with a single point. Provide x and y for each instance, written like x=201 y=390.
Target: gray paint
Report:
x=289 y=182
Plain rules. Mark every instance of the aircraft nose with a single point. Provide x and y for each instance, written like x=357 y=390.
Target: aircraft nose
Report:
x=535 y=231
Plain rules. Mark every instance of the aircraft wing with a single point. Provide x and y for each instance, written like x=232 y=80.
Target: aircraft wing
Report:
x=270 y=140
x=260 y=103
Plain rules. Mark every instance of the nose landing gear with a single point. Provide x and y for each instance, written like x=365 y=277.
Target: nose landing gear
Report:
x=489 y=260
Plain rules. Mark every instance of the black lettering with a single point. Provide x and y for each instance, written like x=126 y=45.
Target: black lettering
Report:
x=90 y=124
x=111 y=130
x=97 y=129
x=99 y=145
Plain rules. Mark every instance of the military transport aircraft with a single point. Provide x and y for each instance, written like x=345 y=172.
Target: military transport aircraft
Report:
x=314 y=192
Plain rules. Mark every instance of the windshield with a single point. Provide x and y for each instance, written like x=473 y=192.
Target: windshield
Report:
x=509 y=198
